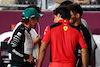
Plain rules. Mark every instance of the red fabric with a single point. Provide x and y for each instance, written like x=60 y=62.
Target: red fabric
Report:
x=64 y=40
x=82 y=40
x=2 y=50
x=46 y=34
x=56 y=64
x=33 y=44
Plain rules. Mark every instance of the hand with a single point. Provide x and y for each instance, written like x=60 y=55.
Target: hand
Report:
x=31 y=58
x=37 y=39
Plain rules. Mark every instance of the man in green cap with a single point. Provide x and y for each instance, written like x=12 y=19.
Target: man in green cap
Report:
x=21 y=44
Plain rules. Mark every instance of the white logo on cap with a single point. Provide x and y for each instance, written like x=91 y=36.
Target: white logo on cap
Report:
x=33 y=16
x=41 y=14
x=23 y=13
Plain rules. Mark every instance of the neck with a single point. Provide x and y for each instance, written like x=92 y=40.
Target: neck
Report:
x=59 y=20
x=27 y=25
x=78 y=22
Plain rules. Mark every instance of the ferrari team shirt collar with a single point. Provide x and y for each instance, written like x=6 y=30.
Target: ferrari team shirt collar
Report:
x=64 y=21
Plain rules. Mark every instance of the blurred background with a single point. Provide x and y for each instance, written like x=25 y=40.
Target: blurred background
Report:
x=46 y=4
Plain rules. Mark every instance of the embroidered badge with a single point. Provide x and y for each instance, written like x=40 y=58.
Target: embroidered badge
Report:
x=65 y=28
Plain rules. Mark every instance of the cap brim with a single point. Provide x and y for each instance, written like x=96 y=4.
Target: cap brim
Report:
x=41 y=15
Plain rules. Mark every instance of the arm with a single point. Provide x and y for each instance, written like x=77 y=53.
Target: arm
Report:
x=14 y=42
x=85 y=56
x=84 y=50
x=44 y=45
x=42 y=53
x=93 y=44
x=84 y=2
x=59 y=1
x=81 y=2
x=37 y=39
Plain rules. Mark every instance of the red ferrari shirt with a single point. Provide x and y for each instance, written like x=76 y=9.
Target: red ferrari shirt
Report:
x=64 y=38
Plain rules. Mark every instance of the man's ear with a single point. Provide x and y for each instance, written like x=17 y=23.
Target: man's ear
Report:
x=30 y=19
x=58 y=15
x=77 y=15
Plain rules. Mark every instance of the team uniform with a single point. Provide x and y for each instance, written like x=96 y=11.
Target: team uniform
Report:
x=20 y=46
x=34 y=34
x=89 y=40
x=64 y=38
x=93 y=44
x=87 y=37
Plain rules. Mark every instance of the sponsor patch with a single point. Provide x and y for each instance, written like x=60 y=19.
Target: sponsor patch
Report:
x=65 y=28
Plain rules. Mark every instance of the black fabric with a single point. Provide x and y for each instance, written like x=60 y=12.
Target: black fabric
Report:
x=79 y=63
x=18 y=39
x=87 y=37
x=57 y=24
x=75 y=27
x=54 y=25
x=50 y=54
x=98 y=1
x=25 y=64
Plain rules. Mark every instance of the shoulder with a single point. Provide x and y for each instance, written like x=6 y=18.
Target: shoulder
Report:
x=77 y=28
x=55 y=25
x=83 y=27
x=84 y=22
x=20 y=28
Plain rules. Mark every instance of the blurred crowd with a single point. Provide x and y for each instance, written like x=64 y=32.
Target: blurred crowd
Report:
x=49 y=3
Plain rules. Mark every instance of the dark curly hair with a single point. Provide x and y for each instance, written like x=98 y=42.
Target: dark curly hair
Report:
x=63 y=11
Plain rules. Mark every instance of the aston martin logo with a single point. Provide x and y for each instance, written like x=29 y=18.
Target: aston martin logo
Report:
x=65 y=28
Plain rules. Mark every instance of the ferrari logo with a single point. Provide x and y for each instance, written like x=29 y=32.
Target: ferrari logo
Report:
x=65 y=28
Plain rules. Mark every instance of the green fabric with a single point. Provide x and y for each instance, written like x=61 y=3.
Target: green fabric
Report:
x=31 y=12
x=14 y=66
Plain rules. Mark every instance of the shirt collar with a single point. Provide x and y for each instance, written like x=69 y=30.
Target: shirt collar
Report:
x=27 y=29
x=64 y=21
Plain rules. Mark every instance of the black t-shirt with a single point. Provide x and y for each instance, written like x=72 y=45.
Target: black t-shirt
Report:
x=87 y=37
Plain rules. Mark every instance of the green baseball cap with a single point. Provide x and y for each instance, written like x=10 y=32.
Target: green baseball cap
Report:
x=30 y=13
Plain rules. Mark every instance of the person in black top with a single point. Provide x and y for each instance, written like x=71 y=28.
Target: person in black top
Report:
x=76 y=13
x=21 y=44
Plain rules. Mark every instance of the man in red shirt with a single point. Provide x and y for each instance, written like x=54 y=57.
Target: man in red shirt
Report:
x=64 y=38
